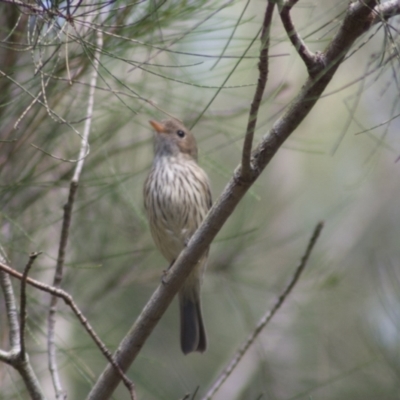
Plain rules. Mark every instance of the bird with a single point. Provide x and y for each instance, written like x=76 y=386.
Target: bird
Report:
x=177 y=197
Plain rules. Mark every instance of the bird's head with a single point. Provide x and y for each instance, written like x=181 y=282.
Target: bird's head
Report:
x=173 y=139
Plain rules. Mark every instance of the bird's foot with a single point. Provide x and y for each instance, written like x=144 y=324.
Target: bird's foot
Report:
x=165 y=274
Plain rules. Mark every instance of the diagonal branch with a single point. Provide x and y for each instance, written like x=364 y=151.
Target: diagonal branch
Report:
x=262 y=81
x=359 y=18
x=310 y=60
x=268 y=316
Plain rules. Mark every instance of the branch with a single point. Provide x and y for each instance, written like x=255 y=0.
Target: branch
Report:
x=68 y=300
x=262 y=81
x=51 y=319
x=28 y=266
x=12 y=319
x=89 y=113
x=14 y=356
x=310 y=60
x=386 y=10
x=30 y=380
x=268 y=316
x=358 y=20
x=11 y=310
x=83 y=152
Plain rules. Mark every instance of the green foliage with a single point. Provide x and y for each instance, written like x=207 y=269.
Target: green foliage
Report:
x=335 y=337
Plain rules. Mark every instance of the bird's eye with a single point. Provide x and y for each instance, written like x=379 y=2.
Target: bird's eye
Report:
x=180 y=133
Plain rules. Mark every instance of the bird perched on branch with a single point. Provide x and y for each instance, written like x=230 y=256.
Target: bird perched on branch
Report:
x=177 y=197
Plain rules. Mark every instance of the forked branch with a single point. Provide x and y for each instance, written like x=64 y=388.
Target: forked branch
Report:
x=309 y=58
x=69 y=301
x=17 y=357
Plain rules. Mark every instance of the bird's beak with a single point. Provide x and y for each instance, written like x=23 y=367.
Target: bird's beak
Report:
x=158 y=126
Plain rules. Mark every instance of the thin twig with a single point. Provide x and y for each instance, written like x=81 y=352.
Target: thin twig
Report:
x=23 y=88
x=89 y=113
x=267 y=317
x=262 y=81
x=72 y=161
x=310 y=60
x=51 y=319
x=32 y=258
x=69 y=301
x=83 y=152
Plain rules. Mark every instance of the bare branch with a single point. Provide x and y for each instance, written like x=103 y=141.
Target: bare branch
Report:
x=68 y=300
x=31 y=382
x=28 y=266
x=89 y=113
x=310 y=60
x=262 y=81
x=268 y=316
x=51 y=319
x=14 y=356
x=11 y=310
x=386 y=10
x=51 y=349
x=358 y=19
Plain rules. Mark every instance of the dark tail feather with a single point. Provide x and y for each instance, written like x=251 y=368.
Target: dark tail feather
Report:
x=193 y=334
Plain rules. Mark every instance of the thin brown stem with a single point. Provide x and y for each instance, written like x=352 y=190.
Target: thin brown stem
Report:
x=268 y=316
x=51 y=319
x=32 y=258
x=262 y=81
x=310 y=60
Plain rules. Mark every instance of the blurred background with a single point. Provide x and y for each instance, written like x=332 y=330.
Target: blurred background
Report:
x=337 y=335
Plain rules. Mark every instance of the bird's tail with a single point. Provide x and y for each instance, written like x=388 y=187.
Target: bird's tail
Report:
x=193 y=334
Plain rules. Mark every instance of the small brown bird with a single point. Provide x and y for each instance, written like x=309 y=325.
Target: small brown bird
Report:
x=177 y=197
